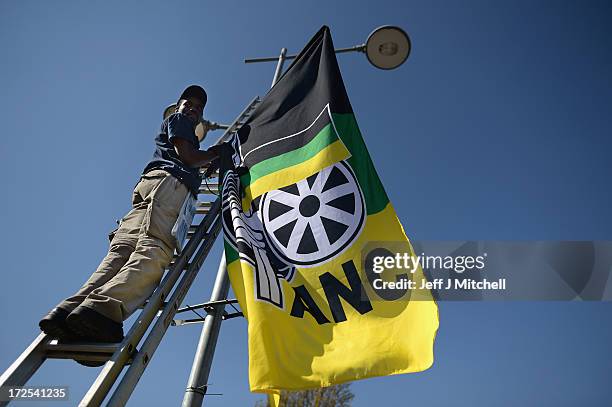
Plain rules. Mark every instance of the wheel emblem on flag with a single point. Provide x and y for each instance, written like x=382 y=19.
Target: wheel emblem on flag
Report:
x=315 y=219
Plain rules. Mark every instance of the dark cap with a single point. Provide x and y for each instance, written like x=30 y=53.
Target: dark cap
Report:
x=196 y=92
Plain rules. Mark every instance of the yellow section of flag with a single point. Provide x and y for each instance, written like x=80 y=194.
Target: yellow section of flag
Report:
x=291 y=352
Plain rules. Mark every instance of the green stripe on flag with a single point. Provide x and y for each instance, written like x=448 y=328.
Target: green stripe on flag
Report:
x=325 y=137
x=375 y=196
x=231 y=254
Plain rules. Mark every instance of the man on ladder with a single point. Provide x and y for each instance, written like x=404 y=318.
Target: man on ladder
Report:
x=142 y=246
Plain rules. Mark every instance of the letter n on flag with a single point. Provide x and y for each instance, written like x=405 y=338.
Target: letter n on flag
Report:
x=303 y=212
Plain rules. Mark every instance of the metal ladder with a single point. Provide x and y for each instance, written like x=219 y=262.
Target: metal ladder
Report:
x=158 y=312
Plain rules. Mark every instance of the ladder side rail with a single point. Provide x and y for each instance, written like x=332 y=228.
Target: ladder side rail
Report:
x=141 y=359
x=30 y=360
x=113 y=368
x=234 y=126
x=25 y=365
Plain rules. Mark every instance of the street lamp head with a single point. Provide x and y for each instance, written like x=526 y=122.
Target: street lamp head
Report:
x=387 y=47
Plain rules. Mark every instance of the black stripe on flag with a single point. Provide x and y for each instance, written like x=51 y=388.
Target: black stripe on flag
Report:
x=312 y=81
x=289 y=142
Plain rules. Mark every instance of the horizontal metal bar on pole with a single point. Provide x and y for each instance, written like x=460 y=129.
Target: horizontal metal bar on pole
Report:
x=224 y=317
x=267 y=59
x=206 y=305
x=356 y=48
x=182 y=322
x=232 y=315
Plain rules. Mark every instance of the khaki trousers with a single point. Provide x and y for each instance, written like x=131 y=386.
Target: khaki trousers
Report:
x=139 y=252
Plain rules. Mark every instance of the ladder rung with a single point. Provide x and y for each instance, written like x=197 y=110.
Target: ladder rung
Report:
x=82 y=347
x=191 y=232
x=161 y=306
x=173 y=262
x=85 y=357
x=214 y=174
x=209 y=189
x=85 y=351
x=203 y=207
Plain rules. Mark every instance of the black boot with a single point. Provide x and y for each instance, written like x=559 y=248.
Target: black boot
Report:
x=93 y=326
x=54 y=325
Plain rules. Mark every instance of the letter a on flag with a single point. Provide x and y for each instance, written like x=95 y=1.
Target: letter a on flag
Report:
x=304 y=214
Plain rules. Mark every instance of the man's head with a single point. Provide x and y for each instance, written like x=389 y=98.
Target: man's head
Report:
x=192 y=102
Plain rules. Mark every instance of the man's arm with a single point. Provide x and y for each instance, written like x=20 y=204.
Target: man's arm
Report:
x=192 y=157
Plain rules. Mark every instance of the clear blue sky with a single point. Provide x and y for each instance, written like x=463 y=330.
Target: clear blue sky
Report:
x=497 y=127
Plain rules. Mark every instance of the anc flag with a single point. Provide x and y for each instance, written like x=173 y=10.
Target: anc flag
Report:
x=301 y=210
